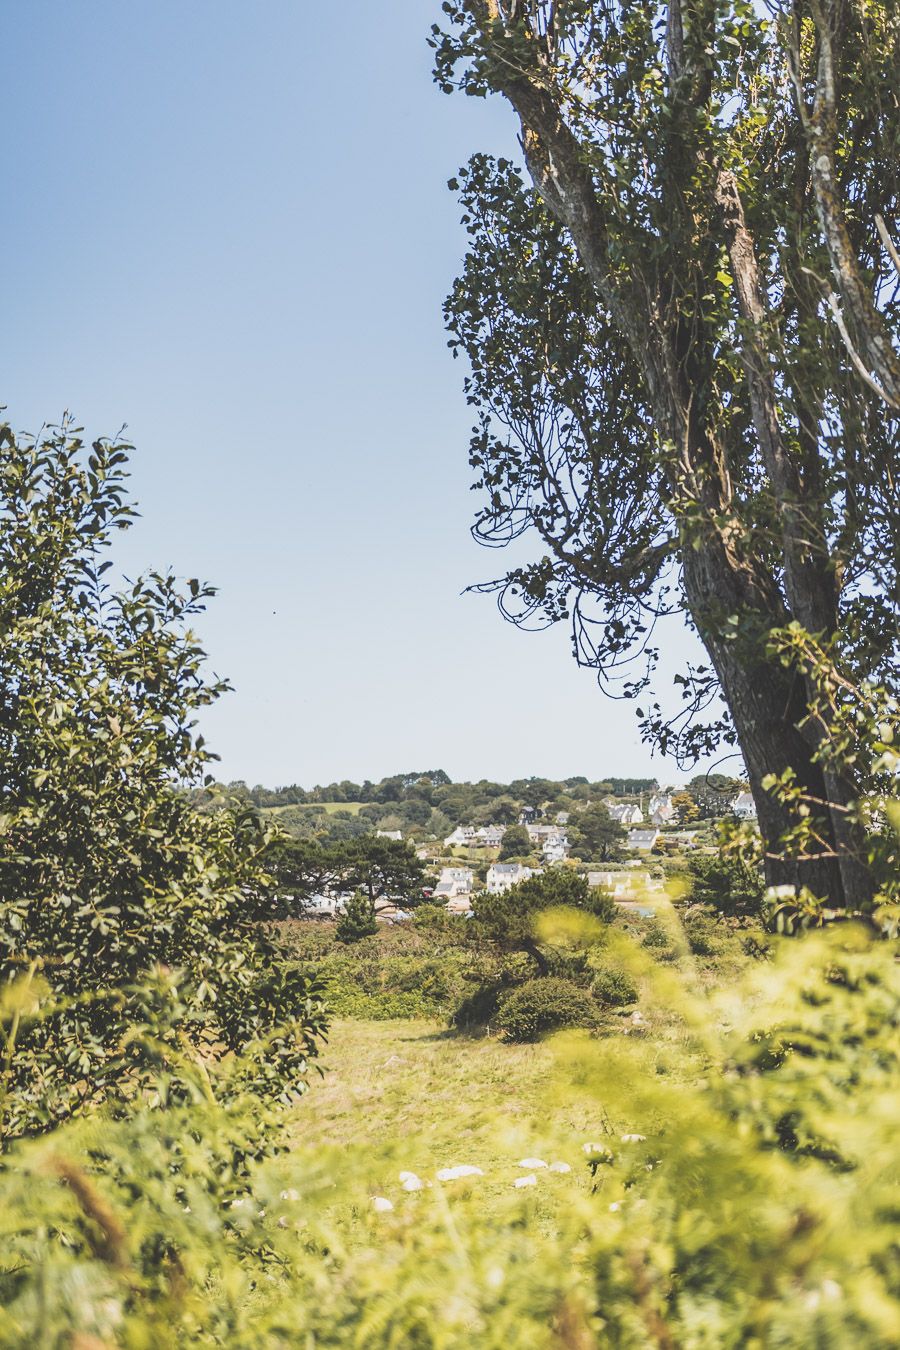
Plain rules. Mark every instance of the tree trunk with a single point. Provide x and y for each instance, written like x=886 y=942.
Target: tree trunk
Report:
x=767 y=703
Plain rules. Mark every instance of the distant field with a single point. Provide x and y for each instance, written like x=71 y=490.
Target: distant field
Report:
x=328 y=807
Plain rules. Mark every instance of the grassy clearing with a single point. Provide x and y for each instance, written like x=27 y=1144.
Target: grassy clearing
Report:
x=328 y=807
x=408 y=1095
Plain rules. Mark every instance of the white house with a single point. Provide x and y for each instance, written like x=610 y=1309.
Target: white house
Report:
x=500 y=876
x=317 y=906
x=453 y=882
x=744 y=806
x=459 y=904
x=660 y=808
x=463 y=836
x=555 y=850
x=626 y=813
x=541 y=834
x=643 y=840
x=491 y=836
x=388 y=834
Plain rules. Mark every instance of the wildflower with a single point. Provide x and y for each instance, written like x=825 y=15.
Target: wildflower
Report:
x=597 y=1155
x=530 y=1180
x=381 y=1204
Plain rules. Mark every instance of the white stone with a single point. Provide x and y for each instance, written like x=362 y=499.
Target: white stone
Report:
x=462 y=1170
x=530 y=1180
x=532 y=1162
x=381 y=1204
x=560 y=1167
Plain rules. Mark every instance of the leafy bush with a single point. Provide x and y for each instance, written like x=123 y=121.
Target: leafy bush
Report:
x=727 y=884
x=601 y=905
x=705 y=937
x=358 y=919
x=614 y=987
x=545 y=1005
x=131 y=925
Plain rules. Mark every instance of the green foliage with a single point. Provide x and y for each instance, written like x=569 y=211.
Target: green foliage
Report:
x=595 y=836
x=357 y=920
x=419 y=969
x=130 y=923
x=516 y=843
x=657 y=940
x=387 y=870
x=507 y=919
x=727 y=884
x=744 y=1192
x=614 y=987
x=544 y=1005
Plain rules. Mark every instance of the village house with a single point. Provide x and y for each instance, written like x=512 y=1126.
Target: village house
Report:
x=461 y=837
x=744 y=806
x=620 y=885
x=500 y=876
x=660 y=808
x=388 y=834
x=490 y=836
x=453 y=882
x=466 y=836
x=459 y=904
x=642 y=840
x=625 y=813
x=555 y=849
x=540 y=834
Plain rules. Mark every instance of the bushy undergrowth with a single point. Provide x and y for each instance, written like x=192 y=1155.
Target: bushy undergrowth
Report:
x=540 y=1006
x=614 y=987
x=403 y=970
x=745 y=1193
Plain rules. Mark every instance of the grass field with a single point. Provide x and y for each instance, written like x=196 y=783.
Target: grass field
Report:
x=409 y=1096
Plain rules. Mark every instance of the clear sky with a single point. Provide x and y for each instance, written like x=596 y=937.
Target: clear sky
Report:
x=227 y=225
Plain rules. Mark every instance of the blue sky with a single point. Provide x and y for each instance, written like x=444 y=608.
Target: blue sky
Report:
x=228 y=226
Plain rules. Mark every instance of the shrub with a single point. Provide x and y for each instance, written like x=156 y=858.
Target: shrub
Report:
x=358 y=919
x=545 y=1005
x=704 y=937
x=601 y=905
x=655 y=936
x=729 y=885
x=614 y=987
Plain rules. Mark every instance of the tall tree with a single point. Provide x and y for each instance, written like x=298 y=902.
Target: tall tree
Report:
x=595 y=835
x=669 y=390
